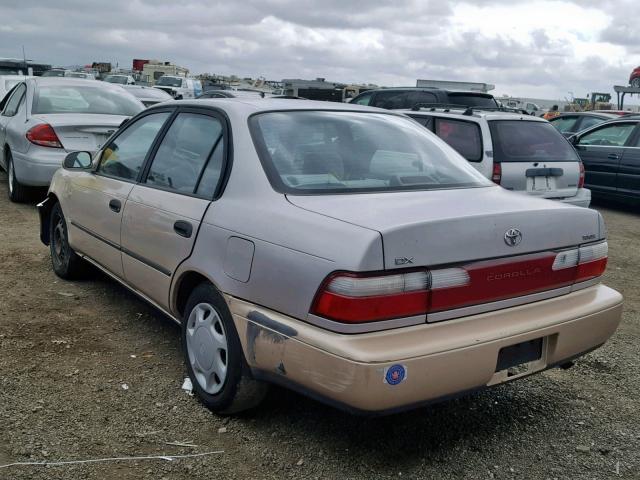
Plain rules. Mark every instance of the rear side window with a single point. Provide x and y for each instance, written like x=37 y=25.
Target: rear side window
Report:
x=611 y=135
x=590 y=122
x=529 y=141
x=463 y=137
x=185 y=151
x=471 y=100
x=393 y=100
x=422 y=120
x=564 y=124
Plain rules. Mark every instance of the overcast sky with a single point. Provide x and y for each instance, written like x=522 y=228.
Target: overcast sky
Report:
x=526 y=48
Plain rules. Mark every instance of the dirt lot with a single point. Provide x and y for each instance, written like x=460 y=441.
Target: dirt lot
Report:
x=67 y=349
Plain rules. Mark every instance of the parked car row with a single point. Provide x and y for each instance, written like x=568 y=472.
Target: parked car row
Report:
x=231 y=215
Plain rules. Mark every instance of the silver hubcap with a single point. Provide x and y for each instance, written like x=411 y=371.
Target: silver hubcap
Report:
x=10 y=175
x=207 y=347
x=59 y=241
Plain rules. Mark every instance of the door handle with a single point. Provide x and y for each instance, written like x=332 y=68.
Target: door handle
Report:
x=613 y=156
x=182 y=228
x=115 y=205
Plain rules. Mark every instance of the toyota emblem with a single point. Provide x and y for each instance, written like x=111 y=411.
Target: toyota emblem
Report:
x=513 y=237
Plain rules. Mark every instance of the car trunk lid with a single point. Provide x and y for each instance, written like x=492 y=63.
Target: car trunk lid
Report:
x=443 y=227
x=82 y=132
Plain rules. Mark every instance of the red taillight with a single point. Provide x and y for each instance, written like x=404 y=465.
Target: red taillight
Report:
x=353 y=298
x=44 y=135
x=496 y=176
x=581 y=180
x=359 y=298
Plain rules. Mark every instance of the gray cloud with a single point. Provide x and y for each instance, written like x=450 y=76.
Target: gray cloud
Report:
x=391 y=43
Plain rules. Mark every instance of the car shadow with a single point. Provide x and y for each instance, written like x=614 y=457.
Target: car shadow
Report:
x=471 y=422
x=623 y=207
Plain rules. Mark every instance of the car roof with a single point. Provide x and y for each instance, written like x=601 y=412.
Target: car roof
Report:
x=430 y=89
x=45 y=81
x=476 y=114
x=587 y=114
x=250 y=105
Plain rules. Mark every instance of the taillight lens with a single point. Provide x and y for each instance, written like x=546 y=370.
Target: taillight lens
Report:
x=496 y=176
x=359 y=298
x=44 y=135
x=581 y=179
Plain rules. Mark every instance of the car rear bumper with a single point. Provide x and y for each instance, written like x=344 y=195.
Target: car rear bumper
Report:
x=581 y=199
x=36 y=168
x=436 y=361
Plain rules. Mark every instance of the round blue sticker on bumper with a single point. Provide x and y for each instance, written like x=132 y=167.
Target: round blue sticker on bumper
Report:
x=395 y=374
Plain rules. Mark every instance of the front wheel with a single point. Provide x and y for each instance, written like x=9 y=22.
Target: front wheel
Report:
x=635 y=83
x=213 y=355
x=66 y=263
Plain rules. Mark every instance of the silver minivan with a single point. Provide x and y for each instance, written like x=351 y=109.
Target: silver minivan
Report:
x=519 y=152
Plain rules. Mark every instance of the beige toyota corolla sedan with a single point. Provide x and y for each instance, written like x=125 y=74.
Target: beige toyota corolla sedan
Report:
x=342 y=251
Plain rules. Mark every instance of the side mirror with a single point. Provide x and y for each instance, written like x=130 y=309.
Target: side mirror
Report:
x=573 y=139
x=77 y=160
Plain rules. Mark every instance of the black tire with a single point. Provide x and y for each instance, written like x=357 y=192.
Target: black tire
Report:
x=66 y=263
x=17 y=192
x=239 y=391
x=635 y=83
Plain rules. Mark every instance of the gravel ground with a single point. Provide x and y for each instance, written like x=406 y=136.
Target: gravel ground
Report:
x=67 y=349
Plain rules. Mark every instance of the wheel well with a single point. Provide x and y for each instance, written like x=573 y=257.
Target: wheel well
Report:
x=188 y=282
x=45 y=217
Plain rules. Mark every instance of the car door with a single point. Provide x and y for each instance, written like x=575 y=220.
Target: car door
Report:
x=95 y=202
x=600 y=150
x=164 y=211
x=9 y=116
x=628 y=178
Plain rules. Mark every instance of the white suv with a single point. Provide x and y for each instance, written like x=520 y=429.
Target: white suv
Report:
x=519 y=152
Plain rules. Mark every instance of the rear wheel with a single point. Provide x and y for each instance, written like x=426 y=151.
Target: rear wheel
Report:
x=635 y=82
x=17 y=192
x=66 y=263
x=213 y=355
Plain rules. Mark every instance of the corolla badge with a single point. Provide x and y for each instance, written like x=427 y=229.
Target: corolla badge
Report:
x=513 y=237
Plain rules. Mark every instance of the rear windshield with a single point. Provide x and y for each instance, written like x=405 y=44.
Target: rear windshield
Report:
x=316 y=152
x=85 y=99
x=471 y=100
x=116 y=79
x=528 y=141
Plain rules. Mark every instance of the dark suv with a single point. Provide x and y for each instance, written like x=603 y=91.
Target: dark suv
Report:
x=407 y=97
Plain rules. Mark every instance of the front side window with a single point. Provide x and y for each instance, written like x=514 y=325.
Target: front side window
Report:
x=463 y=137
x=13 y=104
x=318 y=152
x=612 y=135
x=92 y=98
x=124 y=156
x=190 y=152
x=169 y=82
x=529 y=141
x=363 y=99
